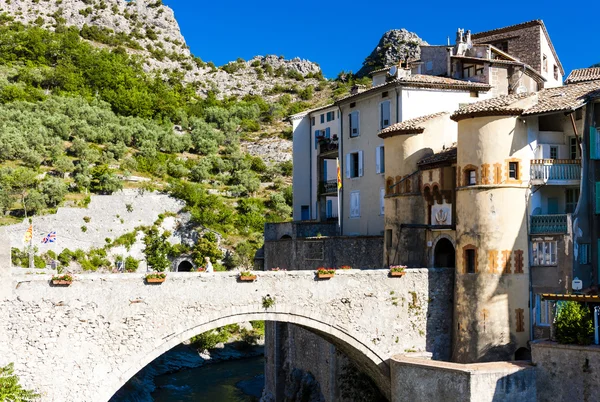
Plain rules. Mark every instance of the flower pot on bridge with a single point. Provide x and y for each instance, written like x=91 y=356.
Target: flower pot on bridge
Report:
x=397 y=270
x=325 y=273
x=246 y=276
x=156 y=278
x=62 y=280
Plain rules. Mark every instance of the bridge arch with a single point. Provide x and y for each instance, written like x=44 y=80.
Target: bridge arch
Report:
x=363 y=355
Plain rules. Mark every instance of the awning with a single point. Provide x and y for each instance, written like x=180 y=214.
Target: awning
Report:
x=579 y=298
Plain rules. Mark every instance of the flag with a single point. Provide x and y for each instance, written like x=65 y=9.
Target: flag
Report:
x=339 y=174
x=28 y=234
x=50 y=238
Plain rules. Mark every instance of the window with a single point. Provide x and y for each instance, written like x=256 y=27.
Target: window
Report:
x=388 y=238
x=513 y=170
x=429 y=66
x=573 y=148
x=305 y=213
x=379 y=159
x=503 y=46
x=471 y=177
x=555 y=72
x=553 y=152
x=381 y=200
x=542 y=312
x=354 y=124
x=384 y=114
x=312 y=120
x=520 y=319
x=470 y=261
x=543 y=253
x=544 y=63
x=584 y=255
x=322 y=118
x=355 y=204
x=354 y=164
x=474 y=94
x=571 y=198
x=384 y=94
x=468 y=70
x=330 y=116
x=478 y=70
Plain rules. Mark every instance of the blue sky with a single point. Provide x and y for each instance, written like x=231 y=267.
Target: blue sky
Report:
x=339 y=35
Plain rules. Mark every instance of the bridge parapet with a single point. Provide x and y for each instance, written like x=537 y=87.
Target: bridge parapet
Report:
x=85 y=341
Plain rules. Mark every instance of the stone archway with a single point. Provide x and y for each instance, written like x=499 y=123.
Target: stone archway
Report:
x=185 y=266
x=444 y=254
x=362 y=354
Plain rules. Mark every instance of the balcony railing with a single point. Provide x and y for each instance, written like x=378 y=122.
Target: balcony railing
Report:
x=555 y=170
x=329 y=186
x=327 y=145
x=541 y=224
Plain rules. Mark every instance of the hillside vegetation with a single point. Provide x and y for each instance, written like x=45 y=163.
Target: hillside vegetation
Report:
x=76 y=119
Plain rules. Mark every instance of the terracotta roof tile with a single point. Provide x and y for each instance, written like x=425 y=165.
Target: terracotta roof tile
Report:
x=411 y=126
x=583 y=74
x=500 y=105
x=447 y=155
x=427 y=81
x=565 y=98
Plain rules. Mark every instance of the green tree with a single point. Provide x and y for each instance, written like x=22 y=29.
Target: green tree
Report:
x=104 y=181
x=206 y=247
x=157 y=249
x=574 y=324
x=11 y=390
x=54 y=190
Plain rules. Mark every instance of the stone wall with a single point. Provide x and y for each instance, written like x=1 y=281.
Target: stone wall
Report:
x=420 y=380
x=276 y=231
x=100 y=331
x=566 y=373
x=311 y=253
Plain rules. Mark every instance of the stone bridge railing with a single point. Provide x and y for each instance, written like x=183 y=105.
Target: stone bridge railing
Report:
x=83 y=342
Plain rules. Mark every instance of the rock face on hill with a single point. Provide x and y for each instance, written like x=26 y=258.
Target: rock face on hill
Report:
x=149 y=29
x=394 y=46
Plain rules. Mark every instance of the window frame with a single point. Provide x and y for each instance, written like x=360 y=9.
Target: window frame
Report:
x=544 y=253
x=382 y=201
x=355 y=164
x=322 y=118
x=471 y=177
x=515 y=170
x=355 y=193
x=350 y=127
x=554 y=149
x=380 y=159
x=381 y=112
x=470 y=256
x=542 y=313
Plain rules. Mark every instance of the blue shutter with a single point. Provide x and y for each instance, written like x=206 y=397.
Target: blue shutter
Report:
x=327 y=132
x=594 y=143
x=329 y=208
x=598 y=198
x=317 y=133
x=324 y=170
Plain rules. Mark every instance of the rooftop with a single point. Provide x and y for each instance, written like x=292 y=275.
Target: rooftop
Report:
x=583 y=74
x=410 y=126
x=425 y=81
x=551 y=100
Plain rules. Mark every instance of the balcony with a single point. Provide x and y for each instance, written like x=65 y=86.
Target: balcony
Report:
x=328 y=145
x=546 y=224
x=555 y=171
x=328 y=187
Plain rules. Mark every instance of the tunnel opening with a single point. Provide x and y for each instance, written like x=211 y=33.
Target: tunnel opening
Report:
x=444 y=254
x=185 y=266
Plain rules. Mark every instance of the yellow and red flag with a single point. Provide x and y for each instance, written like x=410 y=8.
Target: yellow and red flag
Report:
x=28 y=234
x=339 y=174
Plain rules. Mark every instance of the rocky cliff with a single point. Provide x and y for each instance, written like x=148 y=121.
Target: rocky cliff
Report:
x=149 y=29
x=395 y=46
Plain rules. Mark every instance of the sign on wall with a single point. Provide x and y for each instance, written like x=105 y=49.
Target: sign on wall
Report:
x=441 y=214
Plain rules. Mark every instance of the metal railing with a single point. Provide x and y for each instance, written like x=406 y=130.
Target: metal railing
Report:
x=329 y=186
x=540 y=224
x=555 y=169
x=327 y=145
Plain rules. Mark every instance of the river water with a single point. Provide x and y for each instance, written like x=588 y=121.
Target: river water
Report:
x=228 y=381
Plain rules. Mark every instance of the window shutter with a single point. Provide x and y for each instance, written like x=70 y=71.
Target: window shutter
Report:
x=385 y=114
x=594 y=143
x=350 y=124
x=327 y=132
x=357 y=204
x=354 y=124
x=381 y=200
x=329 y=208
x=348 y=158
x=598 y=198
x=378 y=159
x=360 y=163
x=325 y=170
x=317 y=133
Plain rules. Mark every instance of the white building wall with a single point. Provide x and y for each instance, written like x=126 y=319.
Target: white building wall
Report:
x=302 y=157
x=422 y=101
x=549 y=74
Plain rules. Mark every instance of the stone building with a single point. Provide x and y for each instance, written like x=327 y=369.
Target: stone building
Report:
x=499 y=206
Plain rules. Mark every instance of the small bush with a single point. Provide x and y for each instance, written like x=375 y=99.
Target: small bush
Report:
x=131 y=264
x=574 y=324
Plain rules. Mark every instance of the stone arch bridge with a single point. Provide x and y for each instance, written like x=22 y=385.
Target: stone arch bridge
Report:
x=83 y=342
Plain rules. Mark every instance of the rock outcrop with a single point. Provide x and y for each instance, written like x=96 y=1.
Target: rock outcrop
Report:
x=149 y=29
x=395 y=46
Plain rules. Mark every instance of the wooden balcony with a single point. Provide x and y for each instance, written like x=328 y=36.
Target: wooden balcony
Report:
x=328 y=187
x=546 y=224
x=328 y=146
x=555 y=171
